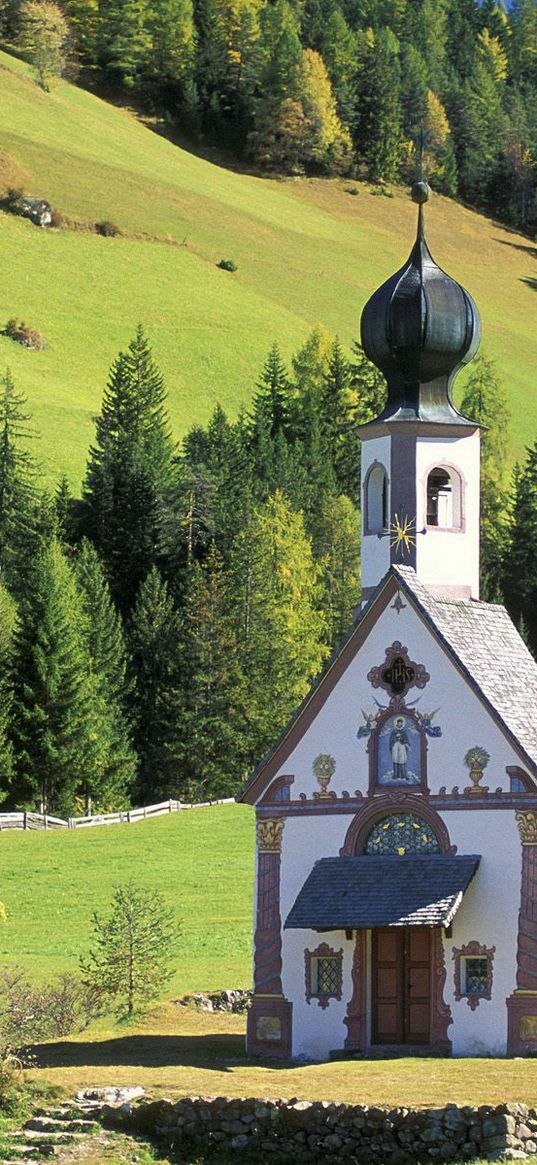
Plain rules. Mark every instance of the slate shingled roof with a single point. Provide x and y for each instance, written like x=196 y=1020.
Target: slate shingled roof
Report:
x=492 y=653
x=374 y=890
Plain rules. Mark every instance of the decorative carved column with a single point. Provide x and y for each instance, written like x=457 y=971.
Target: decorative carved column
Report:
x=268 y=936
x=356 y=1017
x=522 y=1004
x=269 y=1018
x=441 y=1016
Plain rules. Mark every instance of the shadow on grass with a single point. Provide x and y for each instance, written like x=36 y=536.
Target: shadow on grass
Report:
x=144 y=1051
x=526 y=249
x=530 y=283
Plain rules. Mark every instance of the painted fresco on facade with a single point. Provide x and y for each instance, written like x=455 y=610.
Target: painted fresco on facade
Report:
x=398 y=753
x=425 y=720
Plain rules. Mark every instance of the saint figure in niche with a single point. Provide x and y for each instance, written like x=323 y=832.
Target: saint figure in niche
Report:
x=399 y=752
x=399 y=748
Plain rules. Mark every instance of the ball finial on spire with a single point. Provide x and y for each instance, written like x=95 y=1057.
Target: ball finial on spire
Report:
x=421 y=192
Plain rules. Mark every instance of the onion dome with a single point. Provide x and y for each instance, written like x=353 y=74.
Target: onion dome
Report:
x=419 y=329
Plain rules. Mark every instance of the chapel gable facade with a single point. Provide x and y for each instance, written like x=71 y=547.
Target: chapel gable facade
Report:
x=396 y=878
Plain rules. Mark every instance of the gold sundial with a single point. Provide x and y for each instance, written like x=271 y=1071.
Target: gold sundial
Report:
x=402 y=533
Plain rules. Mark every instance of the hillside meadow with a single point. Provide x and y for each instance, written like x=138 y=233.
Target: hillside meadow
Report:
x=201 y=860
x=307 y=252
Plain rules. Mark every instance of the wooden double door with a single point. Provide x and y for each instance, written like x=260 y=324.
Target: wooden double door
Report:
x=401 y=985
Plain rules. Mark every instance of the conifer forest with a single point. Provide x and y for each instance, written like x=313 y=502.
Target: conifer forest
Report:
x=326 y=86
x=157 y=632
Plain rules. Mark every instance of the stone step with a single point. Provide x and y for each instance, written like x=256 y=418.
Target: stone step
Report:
x=44 y=1124
x=33 y=1137
x=25 y=1152
x=50 y=1125
x=16 y=1160
x=66 y=1112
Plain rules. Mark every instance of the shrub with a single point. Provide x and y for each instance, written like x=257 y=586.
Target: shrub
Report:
x=11 y=1086
x=58 y=220
x=12 y=173
x=108 y=229
x=227 y=265
x=382 y=192
x=12 y=197
x=351 y=190
x=25 y=336
x=30 y=1013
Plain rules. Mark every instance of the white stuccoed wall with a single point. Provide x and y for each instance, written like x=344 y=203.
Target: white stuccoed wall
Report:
x=375 y=560
x=463 y=719
x=489 y=913
x=449 y=557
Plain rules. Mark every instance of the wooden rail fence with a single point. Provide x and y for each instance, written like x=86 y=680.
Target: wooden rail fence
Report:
x=26 y=820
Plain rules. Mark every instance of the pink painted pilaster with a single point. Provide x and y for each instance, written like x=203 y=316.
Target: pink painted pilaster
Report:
x=269 y=1017
x=522 y=1004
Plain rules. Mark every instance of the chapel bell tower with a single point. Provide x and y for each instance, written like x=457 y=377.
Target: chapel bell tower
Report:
x=420 y=456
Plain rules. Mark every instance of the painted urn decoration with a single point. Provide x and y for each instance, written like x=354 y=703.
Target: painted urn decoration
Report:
x=324 y=767
x=476 y=760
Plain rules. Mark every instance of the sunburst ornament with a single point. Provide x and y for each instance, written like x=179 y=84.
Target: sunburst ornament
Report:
x=402 y=533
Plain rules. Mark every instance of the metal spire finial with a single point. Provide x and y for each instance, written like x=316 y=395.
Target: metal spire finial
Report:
x=421 y=191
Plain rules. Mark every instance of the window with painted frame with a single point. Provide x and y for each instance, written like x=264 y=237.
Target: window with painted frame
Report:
x=323 y=974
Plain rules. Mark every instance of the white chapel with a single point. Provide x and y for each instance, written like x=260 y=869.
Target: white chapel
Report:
x=396 y=869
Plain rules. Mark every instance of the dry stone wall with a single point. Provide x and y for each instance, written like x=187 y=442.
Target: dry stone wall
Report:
x=307 y=1131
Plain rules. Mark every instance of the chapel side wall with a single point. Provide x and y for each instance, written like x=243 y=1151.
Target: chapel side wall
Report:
x=316 y=1031
x=488 y=915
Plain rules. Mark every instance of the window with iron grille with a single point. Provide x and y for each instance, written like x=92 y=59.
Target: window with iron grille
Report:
x=477 y=976
x=324 y=974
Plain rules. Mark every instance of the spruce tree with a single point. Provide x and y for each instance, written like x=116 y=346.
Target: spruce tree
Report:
x=111 y=781
x=123 y=42
x=336 y=427
x=485 y=401
x=64 y=505
x=212 y=714
x=519 y=578
x=271 y=401
x=18 y=485
x=131 y=475
x=56 y=716
x=378 y=133
x=155 y=643
x=8 y=623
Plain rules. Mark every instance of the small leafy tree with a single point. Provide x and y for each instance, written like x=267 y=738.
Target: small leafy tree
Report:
x=44 y=38
x=130 y=961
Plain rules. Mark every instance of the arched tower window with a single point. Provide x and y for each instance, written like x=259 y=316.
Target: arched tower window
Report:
x=402 y=833
x=444 y=498
x=376 y=499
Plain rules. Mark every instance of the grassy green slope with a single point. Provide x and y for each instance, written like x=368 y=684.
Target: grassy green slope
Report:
x=201 y=860
x=307 y=252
